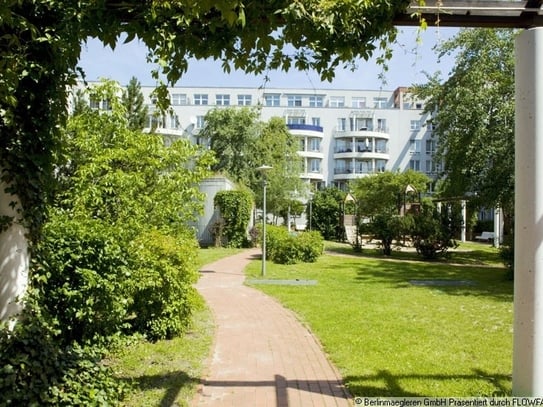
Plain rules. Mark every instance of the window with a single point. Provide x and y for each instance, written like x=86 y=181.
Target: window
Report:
x=343 y=146
x=222 y=100
x=315 y=165
x=244 y=100
x=341 y=124
x=430 y=146
x=428 y=166
x=432 y=167
x=418 y=105
x=294 y=100
x=314 y=144
x=200 y=99
x=361 y=124
x=430 y=125
x=316 y=101
x=382 y=125
x=380 y=165
x=179 y=99
x=359 y=102
x=337 y=101
x=380 y=103
x=295 y=120
x=364 y=167
x=94 y=103
x=316 y=121
x=174 y=121
x=414 y=165
x=200 y=122
x=302 y=145
x=415 y=125
x=414 y=146
x=103 y=104
x=380 y=146
x=272 y=100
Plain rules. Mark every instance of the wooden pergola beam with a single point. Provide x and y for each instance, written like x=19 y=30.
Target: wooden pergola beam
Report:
x=474 y=13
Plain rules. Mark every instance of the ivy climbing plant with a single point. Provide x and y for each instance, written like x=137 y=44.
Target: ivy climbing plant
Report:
x=235 y=208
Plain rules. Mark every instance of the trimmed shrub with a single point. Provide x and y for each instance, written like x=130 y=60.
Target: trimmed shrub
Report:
x=235 y=208
x=289 y=248
x=80 y=271
x=164 y=274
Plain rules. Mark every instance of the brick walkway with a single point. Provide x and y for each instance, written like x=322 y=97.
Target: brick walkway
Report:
x=262 y=355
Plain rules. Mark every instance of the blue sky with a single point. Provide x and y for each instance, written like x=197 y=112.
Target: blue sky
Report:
x=410 y=60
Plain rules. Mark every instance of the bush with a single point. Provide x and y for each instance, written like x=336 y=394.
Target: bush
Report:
x=80 y=271
x=289 y=248
x=164 y=274
x=38 y=370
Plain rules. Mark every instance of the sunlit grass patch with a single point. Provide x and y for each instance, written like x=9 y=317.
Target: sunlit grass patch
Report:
x=392 y=338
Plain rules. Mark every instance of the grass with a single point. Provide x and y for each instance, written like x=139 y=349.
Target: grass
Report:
x=167 y=372
x=389 y=337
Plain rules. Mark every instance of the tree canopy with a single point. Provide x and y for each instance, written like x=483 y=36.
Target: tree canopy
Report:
x=473 y=116
x=242 y=143
x=41 y=40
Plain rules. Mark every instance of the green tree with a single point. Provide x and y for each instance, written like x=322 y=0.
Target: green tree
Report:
x=473 y=117
x=381 y=198
x=133 y=102
x=326 y=212
x=242 y=143
x=278 y=148
x=232 y=134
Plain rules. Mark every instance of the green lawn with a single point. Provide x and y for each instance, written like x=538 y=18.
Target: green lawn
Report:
x=387 y=336
x=390 y=337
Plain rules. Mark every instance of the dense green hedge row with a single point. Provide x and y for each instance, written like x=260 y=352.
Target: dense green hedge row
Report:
x=285 y=247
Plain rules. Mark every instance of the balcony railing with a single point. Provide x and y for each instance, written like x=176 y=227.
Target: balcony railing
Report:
x=310 y=127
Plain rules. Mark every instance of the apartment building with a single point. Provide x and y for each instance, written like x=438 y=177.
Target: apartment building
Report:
x=343 y=133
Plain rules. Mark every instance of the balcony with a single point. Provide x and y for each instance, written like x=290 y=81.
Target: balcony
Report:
x=305 y=127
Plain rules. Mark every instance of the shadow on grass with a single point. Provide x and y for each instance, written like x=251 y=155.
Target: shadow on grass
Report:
x=472 y=281
x=391 y=383
x=171 y=384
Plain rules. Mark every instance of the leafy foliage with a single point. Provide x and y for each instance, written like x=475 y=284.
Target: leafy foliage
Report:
x=434 y=232
x=37 y=370
x=80 y=275
x=242 y=144
x=133 y=102
x=381 y=198
x=233 y=135
x=285 y=247
x=326 y=211
x=235 y=208
x=163 y=276
x=474 y=116
x=128 y=178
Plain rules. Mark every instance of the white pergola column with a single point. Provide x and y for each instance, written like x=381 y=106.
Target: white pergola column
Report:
x=528 y=299
x=464 y=221
x=497 y=226
x=14 y=262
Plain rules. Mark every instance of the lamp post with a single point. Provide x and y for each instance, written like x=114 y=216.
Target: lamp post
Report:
x=310 y=209
x=263 y=169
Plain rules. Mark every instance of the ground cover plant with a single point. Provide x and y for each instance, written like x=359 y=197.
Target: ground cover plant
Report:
x=407 y=328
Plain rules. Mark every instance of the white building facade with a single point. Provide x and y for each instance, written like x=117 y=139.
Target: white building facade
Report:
x=343 y=133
